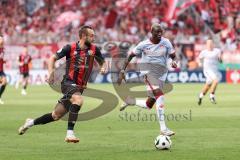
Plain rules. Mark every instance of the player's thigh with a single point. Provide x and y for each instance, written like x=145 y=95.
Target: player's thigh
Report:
x=151 y=84
x=76 y=98
x=25 y=76
x=209 y=77
x=72 y=93
x=68 y=89
x=154 y=86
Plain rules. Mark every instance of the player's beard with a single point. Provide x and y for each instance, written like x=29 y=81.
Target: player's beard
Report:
x=88 y=43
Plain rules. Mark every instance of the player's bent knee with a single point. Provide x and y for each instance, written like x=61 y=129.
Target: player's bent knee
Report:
x=157 y=93
x=56 y=116
x=77 y=99
x=208 y=84
x=215 y=81
x=150 y=102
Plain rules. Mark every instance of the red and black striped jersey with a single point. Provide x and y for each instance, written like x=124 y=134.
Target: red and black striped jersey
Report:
x=1 y=59
x=25 y=61
x=79 y=62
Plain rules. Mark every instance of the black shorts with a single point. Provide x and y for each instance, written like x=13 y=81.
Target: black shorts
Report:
x=25 y=75
x=2 y=74
x=68 y=88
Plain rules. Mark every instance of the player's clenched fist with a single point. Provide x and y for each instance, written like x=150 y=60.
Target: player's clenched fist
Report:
x=174 y=64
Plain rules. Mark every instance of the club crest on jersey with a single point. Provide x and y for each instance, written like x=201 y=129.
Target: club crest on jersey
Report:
x=75 y=52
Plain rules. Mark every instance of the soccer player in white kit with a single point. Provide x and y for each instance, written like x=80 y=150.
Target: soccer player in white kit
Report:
x=211 y=57
x=155 y=53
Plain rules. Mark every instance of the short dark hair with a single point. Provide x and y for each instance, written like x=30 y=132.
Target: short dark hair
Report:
x=83 y=30
x=155 y=26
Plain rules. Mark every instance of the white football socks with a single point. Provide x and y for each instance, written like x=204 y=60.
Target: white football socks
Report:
x=212 y=95
x=70 y=133
x=160 y=112
x=29 y=123
x=201 y=95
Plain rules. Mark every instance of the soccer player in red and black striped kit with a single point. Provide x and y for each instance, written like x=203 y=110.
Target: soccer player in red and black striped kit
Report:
x=79 y=63
x=24 y=61
x=3 y=80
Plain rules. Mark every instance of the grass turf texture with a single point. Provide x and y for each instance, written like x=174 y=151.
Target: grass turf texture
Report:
x=211 y=133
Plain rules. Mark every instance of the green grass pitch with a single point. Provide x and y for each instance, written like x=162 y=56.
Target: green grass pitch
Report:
x=207 y=132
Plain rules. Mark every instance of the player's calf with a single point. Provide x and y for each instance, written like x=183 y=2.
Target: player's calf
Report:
x=72 y=119
x=76 y=102
x=204 y=92
x=146 y=104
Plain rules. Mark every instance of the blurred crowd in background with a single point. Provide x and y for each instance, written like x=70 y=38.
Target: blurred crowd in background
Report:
x=187 y=23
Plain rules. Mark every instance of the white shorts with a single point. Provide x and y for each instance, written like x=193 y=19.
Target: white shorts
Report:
x=154 y=76
x=153 y=83
x=212 y=75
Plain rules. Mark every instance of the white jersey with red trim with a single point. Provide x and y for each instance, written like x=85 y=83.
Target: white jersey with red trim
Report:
x=154 y=57
x=154 y=53
x=210 y=64
x=210 y=59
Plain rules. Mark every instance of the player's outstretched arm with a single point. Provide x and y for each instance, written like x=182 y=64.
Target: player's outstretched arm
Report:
x=121 y=75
